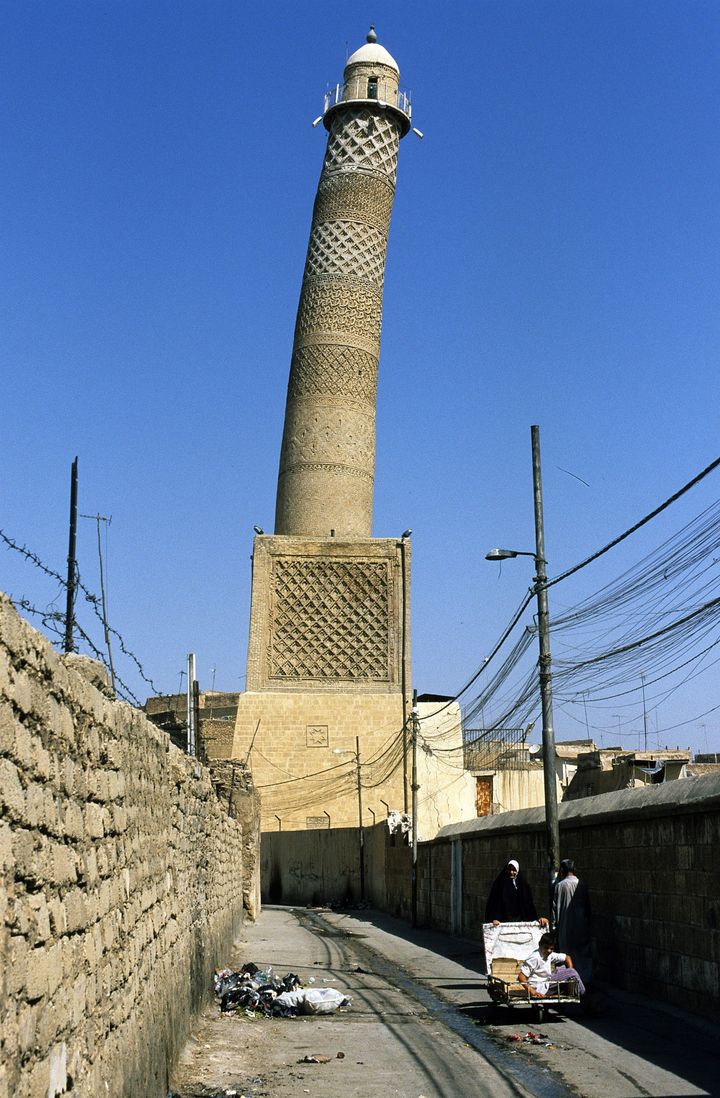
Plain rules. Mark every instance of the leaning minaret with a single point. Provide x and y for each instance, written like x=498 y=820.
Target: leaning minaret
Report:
x=328 y=451
x=328 y=666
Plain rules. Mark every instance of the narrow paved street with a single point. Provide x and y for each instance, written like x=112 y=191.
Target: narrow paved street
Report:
x=420 y=1024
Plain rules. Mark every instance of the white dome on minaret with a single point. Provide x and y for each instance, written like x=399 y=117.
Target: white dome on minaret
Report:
x=372 y=53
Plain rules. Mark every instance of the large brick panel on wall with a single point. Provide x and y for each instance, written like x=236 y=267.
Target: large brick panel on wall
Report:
x=120 y=882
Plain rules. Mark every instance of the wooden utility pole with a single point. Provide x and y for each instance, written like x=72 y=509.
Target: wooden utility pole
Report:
x=69 y=645
x=361 y=833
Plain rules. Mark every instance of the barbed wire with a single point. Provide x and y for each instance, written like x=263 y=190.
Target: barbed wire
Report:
x=48 y=617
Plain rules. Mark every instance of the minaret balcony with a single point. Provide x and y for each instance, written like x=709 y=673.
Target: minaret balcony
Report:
x=401 y=105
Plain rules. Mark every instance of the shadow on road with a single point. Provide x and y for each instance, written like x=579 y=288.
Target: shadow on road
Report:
x=681 y=1044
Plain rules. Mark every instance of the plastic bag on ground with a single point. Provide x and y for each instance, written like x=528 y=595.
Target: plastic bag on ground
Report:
x=313 y=1000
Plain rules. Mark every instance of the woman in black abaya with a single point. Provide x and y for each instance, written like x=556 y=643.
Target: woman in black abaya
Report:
x=510 y=899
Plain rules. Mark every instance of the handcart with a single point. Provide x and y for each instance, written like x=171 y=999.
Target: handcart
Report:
x=506 y=947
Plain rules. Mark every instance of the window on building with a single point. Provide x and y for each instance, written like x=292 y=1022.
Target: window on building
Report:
x=372 y=92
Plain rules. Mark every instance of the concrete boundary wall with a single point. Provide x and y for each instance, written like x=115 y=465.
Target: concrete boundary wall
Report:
x=650 y=857
x=120 y=882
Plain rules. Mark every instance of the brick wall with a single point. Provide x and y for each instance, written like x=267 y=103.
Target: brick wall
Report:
x=120 y=882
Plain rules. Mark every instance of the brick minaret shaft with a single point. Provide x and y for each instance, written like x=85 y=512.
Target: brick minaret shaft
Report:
x=327 y=459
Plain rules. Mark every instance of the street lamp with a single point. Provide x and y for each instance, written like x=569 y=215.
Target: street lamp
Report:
x=361 y=836
x=545 y=664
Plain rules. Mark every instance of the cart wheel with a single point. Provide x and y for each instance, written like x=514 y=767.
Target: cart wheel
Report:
x=539 y=1014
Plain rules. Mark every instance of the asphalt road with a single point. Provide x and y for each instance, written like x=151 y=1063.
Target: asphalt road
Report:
x=420 y=1025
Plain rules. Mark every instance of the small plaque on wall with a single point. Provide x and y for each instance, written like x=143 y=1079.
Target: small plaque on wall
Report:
x=316 y=735
x=312 y=822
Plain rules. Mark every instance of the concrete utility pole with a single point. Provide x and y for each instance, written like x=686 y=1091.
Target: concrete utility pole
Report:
x=404 y=658
x=69 y=645
x=548 y=731
x=552 y=826
x=191 y=711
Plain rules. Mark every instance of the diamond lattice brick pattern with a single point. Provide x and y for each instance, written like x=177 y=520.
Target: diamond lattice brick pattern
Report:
x=330 y=620
x=334 y=371
x=363 y=141
x=347 y=248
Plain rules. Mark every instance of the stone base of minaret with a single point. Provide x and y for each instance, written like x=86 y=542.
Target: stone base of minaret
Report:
x=328 y=663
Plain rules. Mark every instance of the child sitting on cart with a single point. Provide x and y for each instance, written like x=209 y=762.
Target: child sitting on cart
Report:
x=545 y=969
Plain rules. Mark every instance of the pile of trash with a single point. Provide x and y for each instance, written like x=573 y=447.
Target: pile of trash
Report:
x=256 y=991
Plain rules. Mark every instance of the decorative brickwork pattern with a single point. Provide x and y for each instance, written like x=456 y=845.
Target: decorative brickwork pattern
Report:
x=331 y=468
x=333 y=370
x=363 y=141
x=331 y=435
x=348 y=249
x=316 y=735
x=340 y=307
x=340 y=197
x=330 y=620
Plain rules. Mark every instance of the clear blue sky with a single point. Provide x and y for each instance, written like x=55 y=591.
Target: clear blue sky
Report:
x=554 y=259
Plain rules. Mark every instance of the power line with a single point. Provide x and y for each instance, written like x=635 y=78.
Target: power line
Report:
x=642 y=522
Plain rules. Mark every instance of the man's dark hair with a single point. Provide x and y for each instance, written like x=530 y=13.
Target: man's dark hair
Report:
x=547 y=940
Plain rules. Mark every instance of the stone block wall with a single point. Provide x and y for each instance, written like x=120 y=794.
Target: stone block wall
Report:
x=651 y=860
x=234 y=786
x=120 y=882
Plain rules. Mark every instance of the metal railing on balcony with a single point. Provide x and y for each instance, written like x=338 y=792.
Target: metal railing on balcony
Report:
x=335 y=95
x=495 y=749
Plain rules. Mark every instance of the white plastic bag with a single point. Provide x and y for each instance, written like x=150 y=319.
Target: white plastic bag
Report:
x=313 y=1000
x=291 y=998
x=323 y=1000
